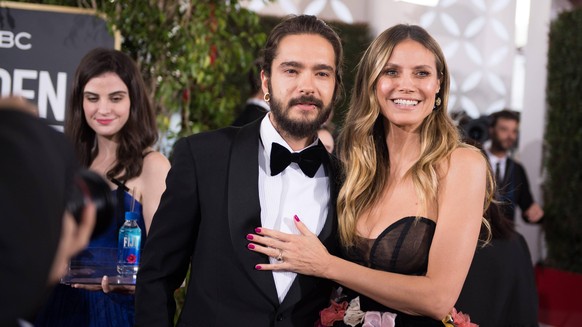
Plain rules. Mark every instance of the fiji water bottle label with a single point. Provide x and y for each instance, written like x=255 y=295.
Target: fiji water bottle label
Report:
x=129 y=247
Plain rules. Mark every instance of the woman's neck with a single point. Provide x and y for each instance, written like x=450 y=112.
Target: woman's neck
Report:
x=106 y=157
x=402 y=145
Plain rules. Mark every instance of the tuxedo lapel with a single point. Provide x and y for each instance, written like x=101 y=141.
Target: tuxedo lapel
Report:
x=244 y=211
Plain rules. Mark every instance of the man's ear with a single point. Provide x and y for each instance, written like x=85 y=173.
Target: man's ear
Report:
x=264 y=82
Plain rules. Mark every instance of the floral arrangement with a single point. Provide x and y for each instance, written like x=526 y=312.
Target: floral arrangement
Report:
x=351 y=315
x=458 y=319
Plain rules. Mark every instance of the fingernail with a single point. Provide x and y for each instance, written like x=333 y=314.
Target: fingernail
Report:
x=249 y=237
x=257 y=267
x=296 y=218
x=258 y=230
x=251 y=246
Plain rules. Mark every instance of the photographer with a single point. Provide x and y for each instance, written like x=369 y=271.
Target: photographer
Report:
x=511 y=177
x=38 y=237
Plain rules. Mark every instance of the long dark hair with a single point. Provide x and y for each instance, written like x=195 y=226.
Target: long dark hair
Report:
x=140 y=131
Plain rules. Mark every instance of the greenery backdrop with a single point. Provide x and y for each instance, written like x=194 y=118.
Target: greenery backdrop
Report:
x=194 y=54
x=191 y=54
x=563 y=144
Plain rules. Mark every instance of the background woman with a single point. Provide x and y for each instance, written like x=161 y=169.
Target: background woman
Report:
x=112 y=124
x=413 y=198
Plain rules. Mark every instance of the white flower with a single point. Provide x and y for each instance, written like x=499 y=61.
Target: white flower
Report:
x=354 y=315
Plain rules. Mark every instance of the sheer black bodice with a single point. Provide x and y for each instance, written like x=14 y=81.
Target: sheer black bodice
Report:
x=402 y=248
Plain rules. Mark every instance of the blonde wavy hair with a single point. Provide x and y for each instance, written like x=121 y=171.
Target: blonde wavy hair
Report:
x=362 y=141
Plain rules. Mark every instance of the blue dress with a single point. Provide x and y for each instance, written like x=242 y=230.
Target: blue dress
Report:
x=67 y=306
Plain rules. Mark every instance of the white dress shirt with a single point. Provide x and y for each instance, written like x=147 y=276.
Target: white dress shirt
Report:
x=493 y=160
x=288 y=194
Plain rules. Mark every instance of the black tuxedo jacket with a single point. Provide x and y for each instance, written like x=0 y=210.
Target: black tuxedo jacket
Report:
x=210 y=204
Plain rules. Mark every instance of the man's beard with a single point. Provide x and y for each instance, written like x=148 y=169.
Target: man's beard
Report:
x=501 y=145
x=303 y=127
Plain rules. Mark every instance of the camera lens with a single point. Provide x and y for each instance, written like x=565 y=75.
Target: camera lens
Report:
x=91 y=185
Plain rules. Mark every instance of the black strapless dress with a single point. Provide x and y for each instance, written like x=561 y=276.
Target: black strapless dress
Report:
x=402 y=248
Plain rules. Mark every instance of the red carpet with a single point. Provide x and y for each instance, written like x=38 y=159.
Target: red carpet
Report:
x=560 y=296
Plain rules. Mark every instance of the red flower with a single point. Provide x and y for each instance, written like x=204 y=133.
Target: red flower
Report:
x=335 y=312
x=185 y=95
x=462 y=320
x=131 y=258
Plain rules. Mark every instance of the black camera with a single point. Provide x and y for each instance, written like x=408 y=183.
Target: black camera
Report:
x=90 y=185
x=472 y=129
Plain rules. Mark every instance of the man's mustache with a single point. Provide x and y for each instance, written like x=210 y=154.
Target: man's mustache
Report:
x=306 y=99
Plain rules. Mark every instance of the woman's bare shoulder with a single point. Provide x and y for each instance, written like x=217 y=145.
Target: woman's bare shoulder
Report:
x=468 y=160
x=155 y=161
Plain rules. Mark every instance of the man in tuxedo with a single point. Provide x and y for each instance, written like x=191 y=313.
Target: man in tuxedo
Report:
x=511 y=178
x=37 y=235
x=224 y=184
x=256 y=107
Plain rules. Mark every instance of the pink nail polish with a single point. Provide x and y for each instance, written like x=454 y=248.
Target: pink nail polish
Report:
x=251 y=246
x=249 y=237
x=257 y=230
x=257 y=267
x=296 y=218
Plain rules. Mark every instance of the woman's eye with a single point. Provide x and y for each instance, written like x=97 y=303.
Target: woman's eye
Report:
x=390 y=72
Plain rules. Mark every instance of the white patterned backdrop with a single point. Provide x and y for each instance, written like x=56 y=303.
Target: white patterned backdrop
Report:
x=477 y=37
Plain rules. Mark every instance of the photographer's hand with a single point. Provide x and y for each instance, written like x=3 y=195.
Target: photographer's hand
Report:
x=18 y=103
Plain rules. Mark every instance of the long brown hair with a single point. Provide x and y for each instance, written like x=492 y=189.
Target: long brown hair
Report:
x=363 y=150
x=140 y=131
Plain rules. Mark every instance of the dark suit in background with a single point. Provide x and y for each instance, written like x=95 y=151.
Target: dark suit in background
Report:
x=211 y=203
x=251 y=112
x=514 y=189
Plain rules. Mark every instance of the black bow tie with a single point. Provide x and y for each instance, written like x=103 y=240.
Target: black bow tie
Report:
x=308 y=160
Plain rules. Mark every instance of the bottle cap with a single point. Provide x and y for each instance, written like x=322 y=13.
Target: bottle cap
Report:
x=131 y=215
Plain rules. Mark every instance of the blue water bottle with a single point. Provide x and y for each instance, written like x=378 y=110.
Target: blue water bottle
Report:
x=128 y=248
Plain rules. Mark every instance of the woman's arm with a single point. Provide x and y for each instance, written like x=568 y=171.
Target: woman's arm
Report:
x=460 y=211
x=153 y=184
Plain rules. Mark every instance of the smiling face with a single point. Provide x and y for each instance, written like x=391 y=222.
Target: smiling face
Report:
x=106 y=104
x=407 y=87
x=301 y=84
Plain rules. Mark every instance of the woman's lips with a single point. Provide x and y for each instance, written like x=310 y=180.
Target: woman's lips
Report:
x=104 y=121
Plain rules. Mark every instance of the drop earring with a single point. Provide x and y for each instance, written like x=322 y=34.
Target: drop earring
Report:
x=437 y=103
